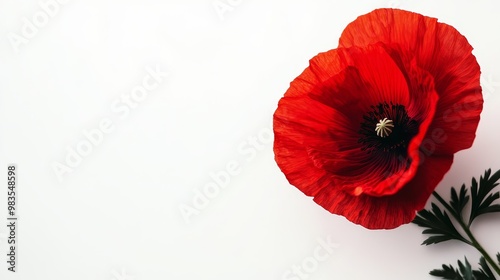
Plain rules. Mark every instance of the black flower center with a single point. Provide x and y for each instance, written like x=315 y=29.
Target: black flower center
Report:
x=387 y=129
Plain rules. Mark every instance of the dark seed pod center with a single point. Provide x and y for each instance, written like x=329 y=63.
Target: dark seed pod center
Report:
x=387 y=128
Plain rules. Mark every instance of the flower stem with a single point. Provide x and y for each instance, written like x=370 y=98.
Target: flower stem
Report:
x=466 y=227
x=480 y=248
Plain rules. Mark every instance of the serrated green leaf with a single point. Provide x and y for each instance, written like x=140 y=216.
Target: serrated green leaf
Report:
x=481 y=196
x=447 y=272
x=459 y=201
x=466 y=270
x=436 y=239
x=438 y=224
x=484 y=273
x=490 y=209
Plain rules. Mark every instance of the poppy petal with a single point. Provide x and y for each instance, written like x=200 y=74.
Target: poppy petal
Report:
x=391 y=211
x=294 y=161
x=445 y=53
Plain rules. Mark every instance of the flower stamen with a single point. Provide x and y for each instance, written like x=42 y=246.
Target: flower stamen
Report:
x=393 y=131
x=384 y=127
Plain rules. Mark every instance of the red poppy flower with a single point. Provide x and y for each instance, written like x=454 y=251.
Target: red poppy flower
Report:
x=369 y=129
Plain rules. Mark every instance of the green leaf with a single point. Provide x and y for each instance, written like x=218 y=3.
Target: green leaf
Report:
x=438 y=224
x=448 y=272
x=464 y=271
x=484 y=273
x=459 y=201
x=482 y=198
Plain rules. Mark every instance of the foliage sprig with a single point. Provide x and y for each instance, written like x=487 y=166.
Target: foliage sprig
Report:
x=440 y=227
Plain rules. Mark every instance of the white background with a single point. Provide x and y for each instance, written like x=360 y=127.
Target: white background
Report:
x=116 y=215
